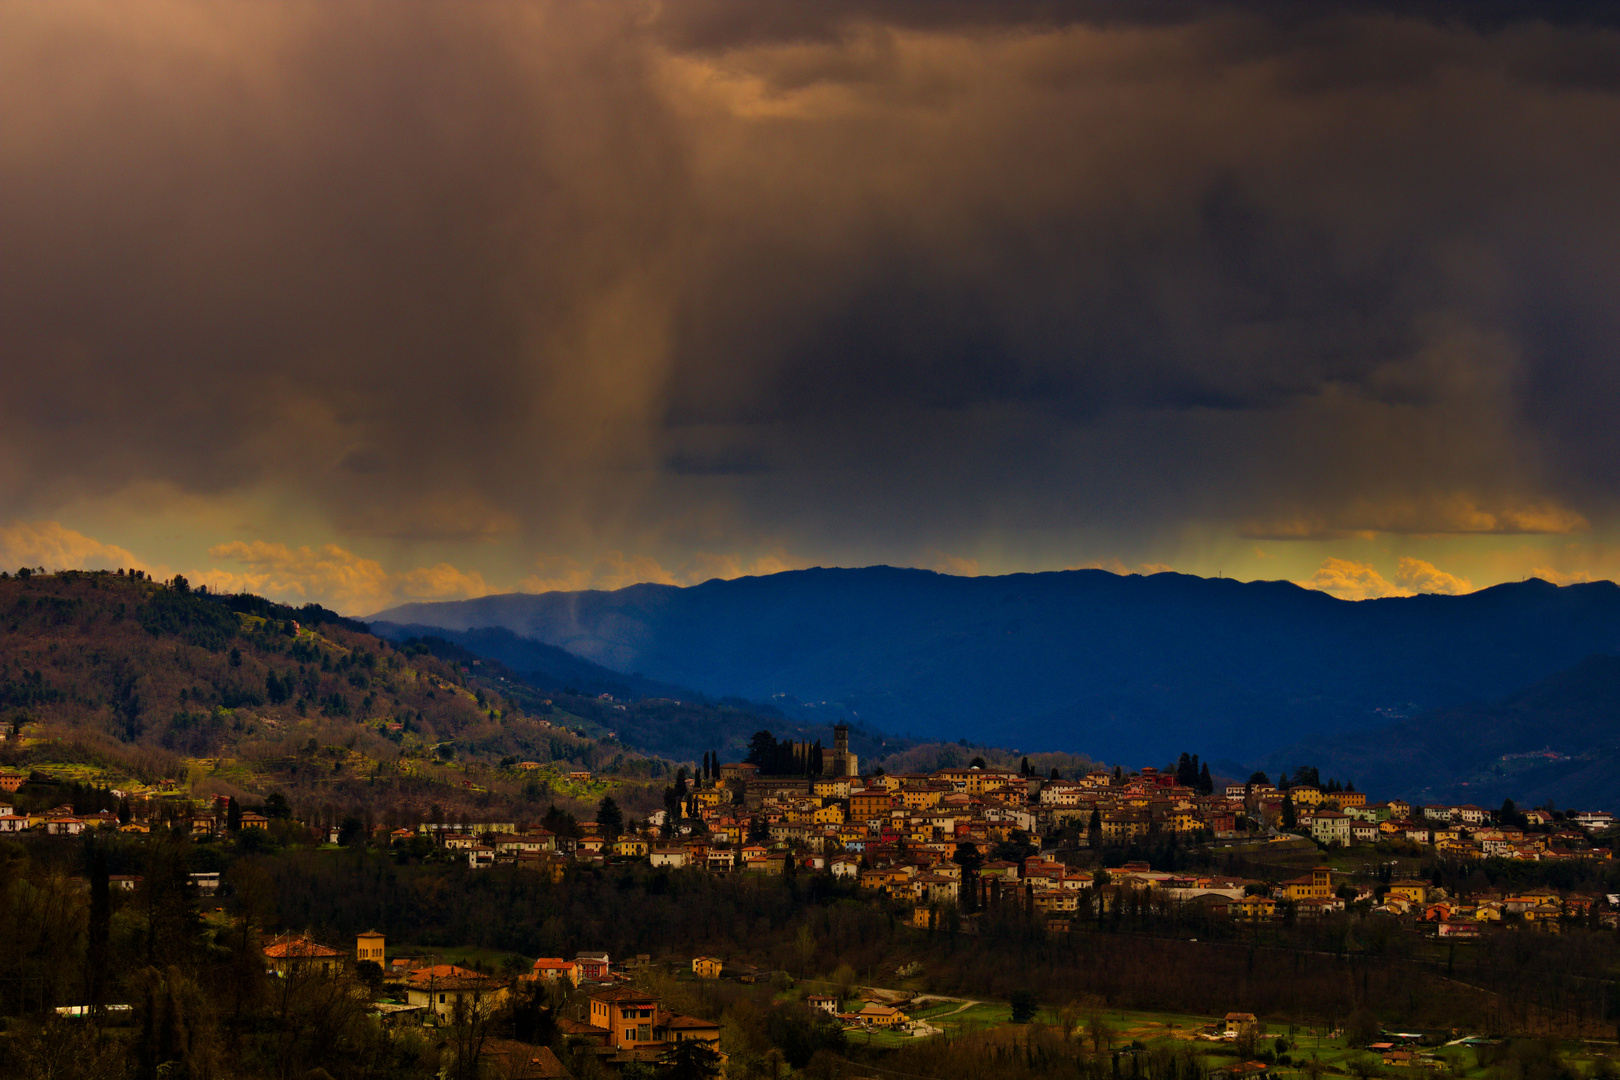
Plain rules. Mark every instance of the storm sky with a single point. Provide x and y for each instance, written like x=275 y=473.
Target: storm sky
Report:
x=362 y=303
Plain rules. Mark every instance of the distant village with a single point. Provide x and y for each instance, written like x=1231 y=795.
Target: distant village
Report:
x=928 y=842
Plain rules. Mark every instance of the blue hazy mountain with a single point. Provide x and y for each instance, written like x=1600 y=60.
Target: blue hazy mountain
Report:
x=1556 y=740
x=1126 y=668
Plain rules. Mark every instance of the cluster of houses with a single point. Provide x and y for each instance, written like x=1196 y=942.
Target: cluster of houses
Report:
x=874 y=1013
x=902 y=837
x=606 y=1017
x=210 y=820
x=419 y=989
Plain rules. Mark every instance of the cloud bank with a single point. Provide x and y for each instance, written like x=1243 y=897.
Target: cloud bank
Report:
x=862 y=282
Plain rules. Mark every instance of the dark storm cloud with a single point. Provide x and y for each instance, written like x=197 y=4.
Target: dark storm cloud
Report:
x=909 y=270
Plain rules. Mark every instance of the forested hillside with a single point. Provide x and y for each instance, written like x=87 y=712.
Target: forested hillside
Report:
x=112 y=676
x=658 y=718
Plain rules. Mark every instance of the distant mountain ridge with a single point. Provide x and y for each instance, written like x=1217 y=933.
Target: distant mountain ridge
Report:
x=543 y=665
x=1125 y=668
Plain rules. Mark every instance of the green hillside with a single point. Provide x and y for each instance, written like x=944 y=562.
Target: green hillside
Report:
x=117 y=680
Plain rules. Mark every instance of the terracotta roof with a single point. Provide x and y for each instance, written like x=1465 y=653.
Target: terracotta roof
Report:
x=439 y=972
x=473 y=981
x=299 y=947
x=520 y=1061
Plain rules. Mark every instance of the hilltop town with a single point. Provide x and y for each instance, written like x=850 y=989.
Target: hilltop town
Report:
x=958 y=841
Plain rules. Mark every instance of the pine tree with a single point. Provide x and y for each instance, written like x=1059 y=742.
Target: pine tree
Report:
x=1206 y=783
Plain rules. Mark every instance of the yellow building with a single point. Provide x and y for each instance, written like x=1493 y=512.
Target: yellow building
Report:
x=920 y=798
x=369 y=946
x=831 y=814
x=1253 y=908
x=869 y=804
x=1317 y=885
x=1413 y=892
x=881 y=1016
x=706 y=967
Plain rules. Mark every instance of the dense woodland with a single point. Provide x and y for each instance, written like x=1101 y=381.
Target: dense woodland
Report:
x=202 y=1007
x=133 y=676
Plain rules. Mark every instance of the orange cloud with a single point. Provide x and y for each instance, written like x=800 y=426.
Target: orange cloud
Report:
x=56 y=547
x=1417 y=576
x=954 y=565
x=1441 y=516
x=1349 y=580
x=334 y=576
x=1559 y=577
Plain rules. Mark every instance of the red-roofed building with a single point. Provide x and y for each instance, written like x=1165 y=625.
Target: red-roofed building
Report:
x=297 y=953
x=554 y=969
x=445 y=988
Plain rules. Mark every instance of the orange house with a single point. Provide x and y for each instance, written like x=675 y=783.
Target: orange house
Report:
x=868 y=804
x=553 y=969
x=627 y=1015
